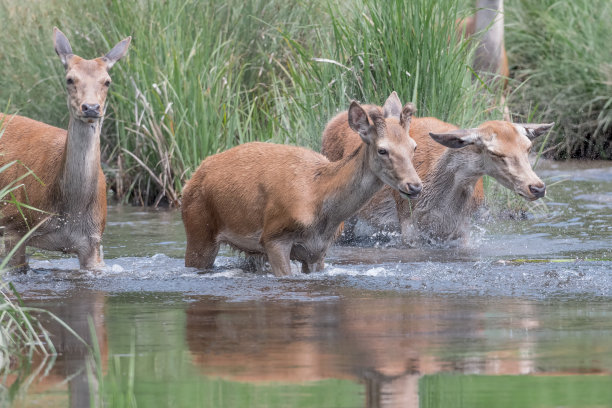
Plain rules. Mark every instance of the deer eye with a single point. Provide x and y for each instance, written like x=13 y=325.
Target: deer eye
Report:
x=415 y=147
x=107 y=83
x=69 y=81
x=382 y=152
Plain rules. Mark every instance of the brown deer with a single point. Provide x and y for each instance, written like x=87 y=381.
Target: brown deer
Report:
x=288 y=202
x=69 y=185
x=490 y=56
x=451 y=163
x=490 y=59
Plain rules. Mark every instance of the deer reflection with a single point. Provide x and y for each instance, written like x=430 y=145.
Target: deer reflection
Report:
x=387 y=343
x=69 y=371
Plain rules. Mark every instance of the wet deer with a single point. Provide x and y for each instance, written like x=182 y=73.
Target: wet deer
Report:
x=451 y=163
x=69 y=186
x=288 y=203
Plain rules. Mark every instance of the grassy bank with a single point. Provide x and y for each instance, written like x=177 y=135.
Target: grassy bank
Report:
x=203 y=76
x=560 y=56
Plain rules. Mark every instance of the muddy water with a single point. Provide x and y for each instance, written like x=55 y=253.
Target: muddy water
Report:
x=520 y=318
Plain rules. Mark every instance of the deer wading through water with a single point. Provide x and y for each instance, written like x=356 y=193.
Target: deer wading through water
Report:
x=68 y=185
x=287 y=202
x=451 y=163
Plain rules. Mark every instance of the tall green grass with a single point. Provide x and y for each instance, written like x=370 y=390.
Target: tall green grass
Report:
x=203 y=76
x=560 y=53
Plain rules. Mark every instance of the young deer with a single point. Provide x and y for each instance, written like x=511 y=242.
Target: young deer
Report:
x=451 y=162
x=289 y=202
x=69 y=185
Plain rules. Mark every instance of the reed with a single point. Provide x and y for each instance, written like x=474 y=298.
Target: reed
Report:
x=203 y=76
x=560 y=55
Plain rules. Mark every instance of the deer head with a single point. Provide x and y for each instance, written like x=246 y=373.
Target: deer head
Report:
x=504 y=148
x=389 y=147
x=87 y=81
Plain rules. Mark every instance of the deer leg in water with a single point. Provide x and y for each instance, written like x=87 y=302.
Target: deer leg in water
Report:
x=18 y=260
x=201 y=249
x=91 y=257
x=278 y=255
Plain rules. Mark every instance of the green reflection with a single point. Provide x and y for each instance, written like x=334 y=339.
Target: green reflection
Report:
x=473 y=391
x=164 y=373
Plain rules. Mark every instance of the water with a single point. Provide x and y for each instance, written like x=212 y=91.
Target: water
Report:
x=520 y=318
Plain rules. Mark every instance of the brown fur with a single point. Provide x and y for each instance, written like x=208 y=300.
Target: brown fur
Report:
x=67 y=186
x=452 y=178
x=494 y=64
x=288 y=202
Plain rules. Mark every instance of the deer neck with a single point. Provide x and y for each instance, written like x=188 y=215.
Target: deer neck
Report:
x=347 y=185
x=79 y=178
x=449 y=188
x=490 y=21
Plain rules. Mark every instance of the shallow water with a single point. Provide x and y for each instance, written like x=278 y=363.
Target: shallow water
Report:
x=521 y=317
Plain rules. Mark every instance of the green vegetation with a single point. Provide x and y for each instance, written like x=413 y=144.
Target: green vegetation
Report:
x=502 y=391
x=560 y=57
x=203 y=76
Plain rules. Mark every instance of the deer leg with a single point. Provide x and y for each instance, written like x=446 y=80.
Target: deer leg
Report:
x=202 y=249
x=18 y=260
x=201 y=254
x=278 y=255
x=90 y=258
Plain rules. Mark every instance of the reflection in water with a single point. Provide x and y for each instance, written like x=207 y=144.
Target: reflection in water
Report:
x=386 y=343
x=379 y=327
x=69 y=370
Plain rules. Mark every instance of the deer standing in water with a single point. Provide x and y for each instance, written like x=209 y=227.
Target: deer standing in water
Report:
x=288 y=202
x=451 y=163
x=69 y=185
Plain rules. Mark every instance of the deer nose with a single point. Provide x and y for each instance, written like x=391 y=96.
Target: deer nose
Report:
x=414 y=189
x=90 y=110
x=538 y=190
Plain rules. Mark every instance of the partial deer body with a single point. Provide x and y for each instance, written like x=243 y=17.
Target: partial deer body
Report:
x=69 y=186
x=451 y=163
x=288 y=203
x=490 y=56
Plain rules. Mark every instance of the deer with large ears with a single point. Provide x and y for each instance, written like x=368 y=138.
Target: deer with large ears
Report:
x=288 y=203
x=68 y=187
x=451 y=163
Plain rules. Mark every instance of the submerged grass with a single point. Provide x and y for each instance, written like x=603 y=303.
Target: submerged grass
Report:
x=203 y=76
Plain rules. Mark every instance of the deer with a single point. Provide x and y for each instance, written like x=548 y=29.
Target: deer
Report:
x=287 y=202
x=68 y=187
x=451 y=162
x=490 y=55
x=490 y=59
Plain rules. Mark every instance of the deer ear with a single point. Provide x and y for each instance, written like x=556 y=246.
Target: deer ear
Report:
x=392 y=106
x=533 y=130
x=456 y=139
x=406 y=116
x=117 y=52
x=62 y=46
x=358 y=121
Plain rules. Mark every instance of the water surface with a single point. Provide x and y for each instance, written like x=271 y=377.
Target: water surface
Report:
x=520 y=317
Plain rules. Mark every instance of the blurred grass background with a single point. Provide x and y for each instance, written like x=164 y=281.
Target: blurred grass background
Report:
x=203 y=76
